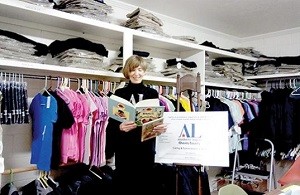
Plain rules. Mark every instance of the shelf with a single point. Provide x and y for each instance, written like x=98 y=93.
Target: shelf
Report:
x=209 y=84
x=159 y=41
x=160 y=80
x=216 y=53
x=55 y=70
x=15 y=66
x=273 y=76
x=45 y=16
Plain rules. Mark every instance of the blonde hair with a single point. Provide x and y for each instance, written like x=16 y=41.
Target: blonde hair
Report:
x=132 y=63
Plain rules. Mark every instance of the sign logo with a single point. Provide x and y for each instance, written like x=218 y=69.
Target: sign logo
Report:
x=188 y=131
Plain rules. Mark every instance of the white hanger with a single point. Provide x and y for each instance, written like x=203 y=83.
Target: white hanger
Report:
x=208 y=95
x=294 y=83
x=45 y=88
x=78 y=86
x=296 y=91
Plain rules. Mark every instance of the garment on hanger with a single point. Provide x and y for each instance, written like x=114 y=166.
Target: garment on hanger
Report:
x=278 y=119
x=65 y=120
x=14 y=108
x=9 y=189
x=43 y=111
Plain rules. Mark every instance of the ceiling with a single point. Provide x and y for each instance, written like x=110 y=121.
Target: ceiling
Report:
x=240 y=18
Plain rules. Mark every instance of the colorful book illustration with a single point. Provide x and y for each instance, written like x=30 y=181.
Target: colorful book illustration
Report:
x=147 y=129
x=142 y=112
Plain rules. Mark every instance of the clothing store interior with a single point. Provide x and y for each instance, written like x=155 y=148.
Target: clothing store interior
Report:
x=198 y=97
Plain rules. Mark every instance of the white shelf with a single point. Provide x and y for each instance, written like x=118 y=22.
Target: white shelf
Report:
x=216 y=53
x=40 y=15
x=159 y=41
x=281 y=75
x=162 y=80
x=210 y=84
x=55 y=70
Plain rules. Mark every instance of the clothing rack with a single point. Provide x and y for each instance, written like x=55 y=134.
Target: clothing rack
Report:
x=107 y=85
x=49 y=77
x=19 y=170
x=233 y=93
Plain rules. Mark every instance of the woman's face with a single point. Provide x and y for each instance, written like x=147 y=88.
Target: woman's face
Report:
x=136 y=76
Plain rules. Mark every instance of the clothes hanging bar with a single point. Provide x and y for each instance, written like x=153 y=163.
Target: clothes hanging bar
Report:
x=19 y=170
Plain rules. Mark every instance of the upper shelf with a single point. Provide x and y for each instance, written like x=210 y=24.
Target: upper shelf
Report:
x=55 y=70
x=23 y=11
x=37 y=14
x=216 y=53
x=239 y=87
x=279 y=75
x=162 y=42
x=63 y=71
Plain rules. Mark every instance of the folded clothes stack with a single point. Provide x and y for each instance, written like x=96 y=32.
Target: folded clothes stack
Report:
x=87 y=8
x=18 y=47
x=186 y=38
x=78 y=52
x=143 y=20
x=173 y=67
x=185 y=64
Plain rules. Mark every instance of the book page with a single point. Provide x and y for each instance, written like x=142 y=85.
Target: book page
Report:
x=120 y=109
x=147 y=129
x=121 y=100
x=148 y=103
x=148 y=114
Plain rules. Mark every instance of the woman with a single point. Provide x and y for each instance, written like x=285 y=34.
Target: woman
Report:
x=134 y=160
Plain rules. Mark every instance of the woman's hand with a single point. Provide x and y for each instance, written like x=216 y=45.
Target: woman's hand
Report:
x=127 y=126
x=161 y=128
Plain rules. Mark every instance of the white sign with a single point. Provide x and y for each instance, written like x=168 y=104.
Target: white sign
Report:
x=194 y=138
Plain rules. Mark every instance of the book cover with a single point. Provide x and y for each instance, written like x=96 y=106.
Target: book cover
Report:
x=147 y=129
x=144 y=111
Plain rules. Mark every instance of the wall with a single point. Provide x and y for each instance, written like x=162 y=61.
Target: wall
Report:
x=282 y=43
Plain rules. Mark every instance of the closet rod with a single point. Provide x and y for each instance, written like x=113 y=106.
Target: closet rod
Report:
x=38 y=76
x=29 y=76
x=19 y=170
x=49 y=77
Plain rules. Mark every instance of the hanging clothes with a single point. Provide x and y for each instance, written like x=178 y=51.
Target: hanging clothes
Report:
x=9 y=189
x=43 y=111
x=65 y=120
x=278 y=119
x=14 y=107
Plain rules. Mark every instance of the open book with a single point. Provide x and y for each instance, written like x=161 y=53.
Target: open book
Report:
x=147 y=129
x=142 y=112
